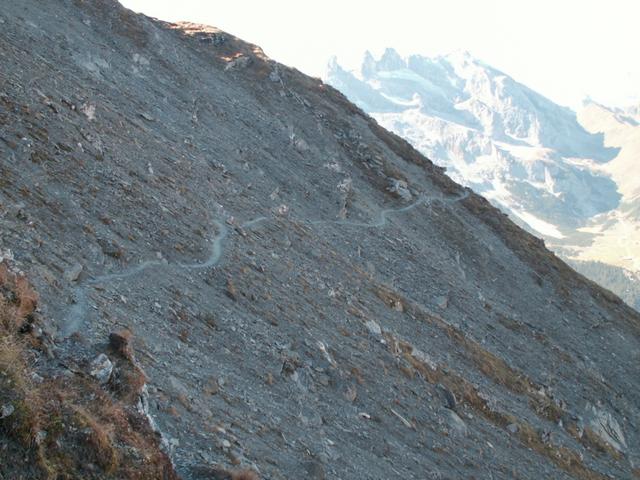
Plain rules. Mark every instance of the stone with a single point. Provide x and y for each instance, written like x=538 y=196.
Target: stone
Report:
x=449 y=399
x=605 y=426
x=274 y=76
x=40 y=437
x=238 y=63
x=89 y=110
x=513 y=428
x=290 y=364
x=314 y=470
x=301 y=145
x=442 y=302
x=6 y=411
x=456 y=425
x=404 y=421
x=373 y=327
x=323 y=379
x=351 y=394
x=101 y=368
x=399 y=188
x=215 y=39
x=73 y=273
x=282 y=210
x=398 y=306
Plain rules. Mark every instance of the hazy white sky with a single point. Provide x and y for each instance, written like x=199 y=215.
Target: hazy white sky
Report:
x=565 y=49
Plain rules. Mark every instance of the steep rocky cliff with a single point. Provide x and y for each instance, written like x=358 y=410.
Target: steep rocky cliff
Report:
x=244 y=258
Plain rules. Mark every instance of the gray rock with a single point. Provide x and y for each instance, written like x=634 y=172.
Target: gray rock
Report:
x=314 y=470
x=274 y=76
x=148 y=117
x=447 y=396
x=6 y=411
x=373 y=327
x=215 y=39
x=456 y=425
x=101 y=368
x=40 y=437
x=399 y=188
x=301 y=145
x=442 y=302
x=605 y=426
x=323 y=379
x=238 y=63
x=73 y=273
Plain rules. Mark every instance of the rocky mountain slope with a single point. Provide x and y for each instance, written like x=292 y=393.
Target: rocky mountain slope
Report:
x=565 y=178
x=238 y=254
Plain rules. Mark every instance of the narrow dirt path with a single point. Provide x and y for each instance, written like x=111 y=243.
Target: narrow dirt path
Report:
x=384 y=214
x=75 y=318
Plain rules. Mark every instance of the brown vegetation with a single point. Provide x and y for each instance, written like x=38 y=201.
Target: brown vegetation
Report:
x=244 y=475
x=502 y=374
x=565 y=458
x=592 y=441
x=66 y=427
x=216 y=472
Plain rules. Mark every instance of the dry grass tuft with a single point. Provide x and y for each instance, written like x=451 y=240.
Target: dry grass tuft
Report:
x=99 y=440
x=593 y=441
x=19 y=301
x=244 y=475
x=127 y=382
x=231 y=290
x=493 y=367
x=564 y=458
x=217 y=472
x=546 y=408
x=61 y=425
x=391 y=298
x=121 y=343
x=27 y=297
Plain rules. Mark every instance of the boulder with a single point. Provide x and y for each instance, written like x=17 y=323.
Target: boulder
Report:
x=101 y=368
x=399 y=188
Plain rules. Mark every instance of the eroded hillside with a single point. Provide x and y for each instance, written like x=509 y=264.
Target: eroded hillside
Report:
x=309 y=297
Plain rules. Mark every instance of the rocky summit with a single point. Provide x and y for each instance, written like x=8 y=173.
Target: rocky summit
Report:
x=215 y=267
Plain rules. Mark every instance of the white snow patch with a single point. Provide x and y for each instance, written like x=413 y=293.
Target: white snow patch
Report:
x=540 y=226
x=414 y=102
x=408 y=75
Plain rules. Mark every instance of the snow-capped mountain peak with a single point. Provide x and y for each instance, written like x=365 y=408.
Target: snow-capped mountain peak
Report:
x=492 y=132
